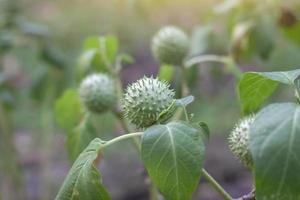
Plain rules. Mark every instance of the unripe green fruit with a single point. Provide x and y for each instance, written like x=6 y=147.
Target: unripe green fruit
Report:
x=98 y=93
x=170 y=45
x=148 y=101
x=239 y=141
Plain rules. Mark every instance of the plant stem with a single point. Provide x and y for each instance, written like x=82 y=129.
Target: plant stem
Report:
x=118 y=114
x=216 y=185
x=184 y=92
x=231 y=66
x=184 y=85
x=153 y=192
x=122 y=137
x=204 y=58
x=127 y=130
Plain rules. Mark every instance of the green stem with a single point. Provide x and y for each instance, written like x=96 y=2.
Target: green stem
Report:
x=184 y=92
x=204 y=58
x=125 y=126
x=120 y=138
x=153 y=192
x=216 y=185
x=184 y=85
x=231 y=66
x=152 y=189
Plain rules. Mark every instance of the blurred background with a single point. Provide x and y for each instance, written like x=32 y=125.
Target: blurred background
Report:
x=41 y=43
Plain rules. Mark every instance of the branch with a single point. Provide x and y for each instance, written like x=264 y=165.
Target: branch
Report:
x=250 y=196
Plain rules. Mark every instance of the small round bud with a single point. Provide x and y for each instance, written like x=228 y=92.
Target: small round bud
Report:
x=98 y=93
x=170 y=45
x=239 y=141
x=148 y=101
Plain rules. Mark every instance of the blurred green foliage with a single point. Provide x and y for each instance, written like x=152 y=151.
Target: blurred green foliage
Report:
x=44 y=50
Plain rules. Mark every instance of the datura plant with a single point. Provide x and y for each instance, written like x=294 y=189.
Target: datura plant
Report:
x=170 y=142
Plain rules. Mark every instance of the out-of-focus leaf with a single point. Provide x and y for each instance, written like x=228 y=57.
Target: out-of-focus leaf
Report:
x=201 y=40
x=80 y=137
x=263 y=37
x=125 y=58
x=68 y=110
x=32 y=28
x=226 y=6
x=91 y=60
x=205 y=40
x=107 y=46
x=240 y=37
x=166 y=73
x=40 y=77
x=286 y=55
x=100 y=53
x=84 y=180
x=173 y=155
x=7 y=98
x=53 y=56
x=292 y=33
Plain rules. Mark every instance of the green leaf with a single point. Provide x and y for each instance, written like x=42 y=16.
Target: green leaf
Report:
x=126 y=58
x=274 y=145
x=256 y=87
x=292 y=33
x=166 y=73
x=205 y=40
x=91 y=60
x=285 y=54
x=108 y=46
x=68 y=110
x=286 y=77
x=80 y=137
x=173 y=155
x=83 y=180
x=99 y=54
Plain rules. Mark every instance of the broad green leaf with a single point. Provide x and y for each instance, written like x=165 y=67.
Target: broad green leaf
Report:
x=83 y=180
x=68 y=110
x=166 y=73
x=256 y=87
x=173 y=155
x=80 y=137
x=274 y=145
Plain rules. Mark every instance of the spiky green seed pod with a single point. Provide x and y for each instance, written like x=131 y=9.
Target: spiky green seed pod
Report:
x=98 y=93
x=239 y=141
x=170 y=45
x=148 y=101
